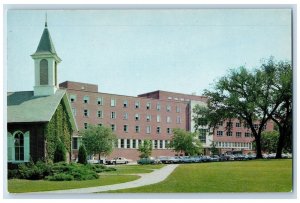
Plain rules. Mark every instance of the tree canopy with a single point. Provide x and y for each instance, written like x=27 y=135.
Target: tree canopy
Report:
x=185 y=142
x=98 y=140
x=145 y=148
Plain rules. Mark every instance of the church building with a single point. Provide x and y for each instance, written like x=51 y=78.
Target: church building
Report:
x=38 y=120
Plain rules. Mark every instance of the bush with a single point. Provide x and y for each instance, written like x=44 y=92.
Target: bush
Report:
x=30 y=172
x=60 y=177
x=13 y=173
x=60 y=153
x=100 y=168
x=82 y=155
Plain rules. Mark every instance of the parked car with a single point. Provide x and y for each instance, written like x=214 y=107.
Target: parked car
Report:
x=187 y=159
x=164 y=159
x=118 y=160
x=240 y=157
x=205 y=158
x=175 y=160
x=251 y=156
x=271 y=156
x=149 y=160
x=196 y=159
x=214 y=158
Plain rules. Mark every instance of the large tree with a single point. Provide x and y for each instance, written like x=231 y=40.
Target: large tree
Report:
x=281 y=73
x=98 y=140
x=185 y=142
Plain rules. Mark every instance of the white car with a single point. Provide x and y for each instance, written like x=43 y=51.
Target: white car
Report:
x=118 y=160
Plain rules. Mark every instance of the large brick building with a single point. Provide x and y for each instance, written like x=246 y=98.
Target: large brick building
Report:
x=151 y=116
x=133 y=119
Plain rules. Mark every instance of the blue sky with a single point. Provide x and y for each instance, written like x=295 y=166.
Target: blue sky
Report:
x=130 y=52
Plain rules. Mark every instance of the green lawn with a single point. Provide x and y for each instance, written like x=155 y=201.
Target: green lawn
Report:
x=21 y=185
x=238 y=176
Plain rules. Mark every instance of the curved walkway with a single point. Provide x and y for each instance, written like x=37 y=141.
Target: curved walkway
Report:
x=156 y=176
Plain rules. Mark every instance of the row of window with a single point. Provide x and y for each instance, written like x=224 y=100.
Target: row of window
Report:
x=246 y=145
x=237 y=134
x=134 y=144
x=137 y=117
x=238 y=125
x=137 y=128
x=113 y=103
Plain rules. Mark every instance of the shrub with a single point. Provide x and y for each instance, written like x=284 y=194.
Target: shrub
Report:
x=60 y=153
x=13 y=173
x=30 y=172
x=82 y=155
x=60 y=177
x=100 y=168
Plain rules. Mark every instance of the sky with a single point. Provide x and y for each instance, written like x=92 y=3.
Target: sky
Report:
x=130 y=52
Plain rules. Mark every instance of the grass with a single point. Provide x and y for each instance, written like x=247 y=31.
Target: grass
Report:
x=238 y=176
x=134 y=169
x=21 y=185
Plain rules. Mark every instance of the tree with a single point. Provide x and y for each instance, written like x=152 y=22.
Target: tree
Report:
x=145 y=149
x=59 y=153
x=185 y=142
x=82 y=155
x=282 y=95
x=98 y=140
x=213 y=148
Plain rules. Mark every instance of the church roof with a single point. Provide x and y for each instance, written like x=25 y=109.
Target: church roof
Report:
x=46 y=45
x=24 y=107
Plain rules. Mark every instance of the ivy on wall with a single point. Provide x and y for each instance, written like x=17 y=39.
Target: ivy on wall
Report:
x=59 y=129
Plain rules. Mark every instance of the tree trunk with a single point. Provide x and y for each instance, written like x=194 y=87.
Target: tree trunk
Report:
x=258 y=147
x=281 y=142
x=99 y=158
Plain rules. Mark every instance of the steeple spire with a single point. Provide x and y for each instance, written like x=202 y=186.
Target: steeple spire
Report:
x=46 y=19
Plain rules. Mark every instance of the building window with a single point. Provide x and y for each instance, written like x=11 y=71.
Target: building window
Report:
x=238 y=125
x=238 y=134
x=168 y=108
x=178 y=119
x=137 y=117
x=122 y=143
x=137 y=129
x=100 y=101
x=148 y=118
x=247 y=134
x=202 y=135
x=158 y=118
x=220 y=123
x=113 y=102
x=19 y=146
x=219 y=133
x=44 y=72
x=74 y=143
x=125 y=103
x=148 y=129
x=169 y=131
x=155 y=144
x=128 y=143
x=86 y=99
x=74 y=111
x=158 y=130
x=158 y=106
x=100 y=114
x=113 y=127
x=125 y=128
x=137 y=104
x=113 y=115
x=73 y=98
x=148 y=106
x=169 y=119
x=229 y=133
x=86 y=112
x=133 y=143
x=125 y=116
x=85 y=125
x=160 y=144
x=246 y=125
x=229 y=124
x=177 y=109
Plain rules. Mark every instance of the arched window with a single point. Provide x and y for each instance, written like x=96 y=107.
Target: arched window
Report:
x=44 y=72
x=19 y=146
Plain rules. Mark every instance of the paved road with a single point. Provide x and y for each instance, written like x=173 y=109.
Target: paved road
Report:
x=156 y=176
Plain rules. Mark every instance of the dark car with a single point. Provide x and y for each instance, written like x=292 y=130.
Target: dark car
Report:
x=214 y=158
x=187 y=159
x=164 y=159
x=149 y=160
x=205 y=158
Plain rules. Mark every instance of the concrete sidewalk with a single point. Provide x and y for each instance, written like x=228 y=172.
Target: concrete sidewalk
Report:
x=156 y=176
